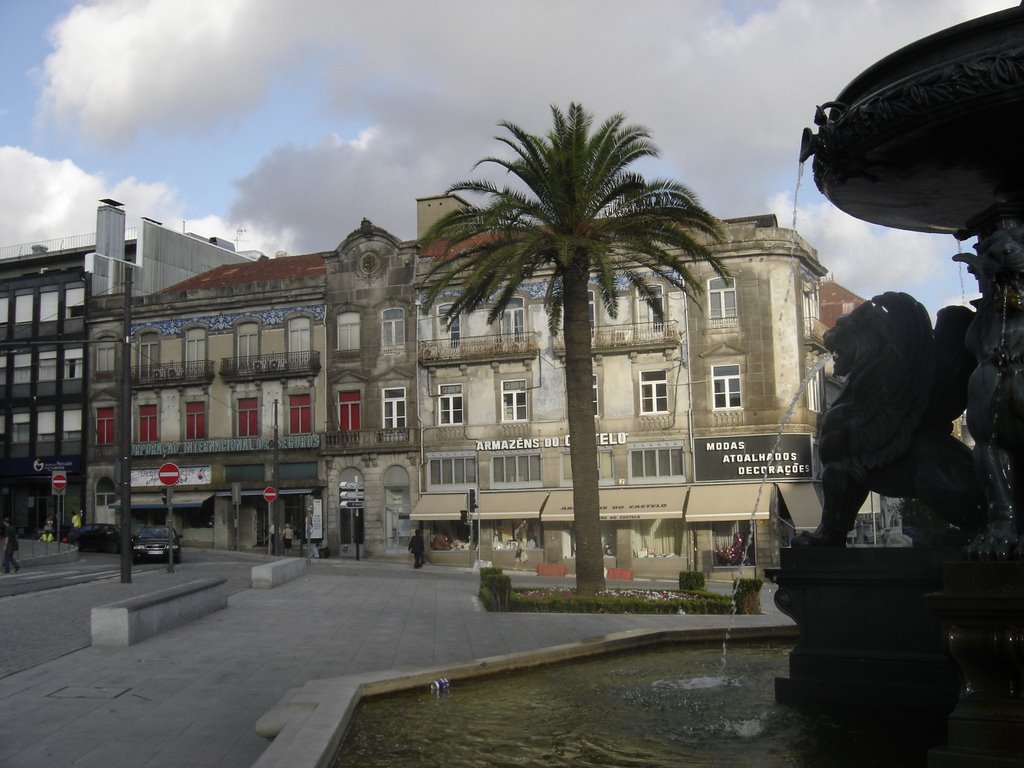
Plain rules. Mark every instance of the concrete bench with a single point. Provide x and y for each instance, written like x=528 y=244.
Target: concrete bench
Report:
x=552 y=569
x=270 y=575
x=121 y=624
x=620 y=574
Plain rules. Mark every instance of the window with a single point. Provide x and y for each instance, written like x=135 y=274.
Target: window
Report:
x=248 y=417
x=653 y=392
x=654 y=315
x=74 y=301
x=458 y=470
x=23 y=368
x=195 y=345
x=656 y=462
x=349 y=410
x=299 y=334
x=247 y=340
x=513 y=400
x=591 y=310
x=195 y=421
x=22 y=427
x=814 y=389
x=516 y=469
x=73 y=363
x=722 y=298
x=449 y=404
x=72 y=424
x=348 y=331
x=105 y=426
x=149 y=424
x=733 y=543
x=149 y=352
x=46 y=425
x=300 y=415
x=49 y=301
x=513 y=319
x=726 y=382
x=597 y=404
x=394 y=408
x=23 y=308
x=106 y=354
x=48 y=365
x=392 y=329
x=451 y=328
x=106 y=494
x=605 y=467
x=5 y=309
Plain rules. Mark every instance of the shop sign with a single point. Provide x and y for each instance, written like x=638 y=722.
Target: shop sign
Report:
x=559 y=441
x=752 y=457
x=226 y=445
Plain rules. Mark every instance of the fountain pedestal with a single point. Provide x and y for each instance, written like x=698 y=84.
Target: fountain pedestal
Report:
x=867 y=639
x=982 y=612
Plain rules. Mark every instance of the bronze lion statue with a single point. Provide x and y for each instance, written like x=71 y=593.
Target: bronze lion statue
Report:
x=890 y=429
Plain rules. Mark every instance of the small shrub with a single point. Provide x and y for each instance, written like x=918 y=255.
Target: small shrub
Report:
x=691 y=580
x=747 y=593
x=495 y=590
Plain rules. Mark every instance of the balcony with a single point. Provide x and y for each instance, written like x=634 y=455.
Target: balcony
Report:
x=272 y=366
x=637 y=337
x=512 y=346
x=814 y=333
x=173 y=374
x=371 y=439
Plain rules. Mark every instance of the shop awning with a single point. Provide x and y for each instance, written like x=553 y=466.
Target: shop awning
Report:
x=639 y=503
x=439 y=506
x=259 y=491
x=730 y=501
x=181 y=499
x=499 y=505
x=803 y=505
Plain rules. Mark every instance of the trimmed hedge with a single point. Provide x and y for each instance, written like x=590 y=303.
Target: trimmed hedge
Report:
x=690 y=580
x=747 y=593
x=569 y=602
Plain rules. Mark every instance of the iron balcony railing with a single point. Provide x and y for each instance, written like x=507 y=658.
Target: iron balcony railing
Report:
x=510 y=345
x=370 y=439
x=185 y=372
x=629 y=337
x=271 y=365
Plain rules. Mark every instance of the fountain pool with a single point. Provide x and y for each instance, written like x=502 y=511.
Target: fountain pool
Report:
x=670 y=706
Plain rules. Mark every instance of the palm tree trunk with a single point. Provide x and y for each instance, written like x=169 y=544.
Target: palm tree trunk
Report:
x=579 y=373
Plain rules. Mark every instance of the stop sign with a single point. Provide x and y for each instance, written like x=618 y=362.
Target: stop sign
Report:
x=270 y=493
x=169 y=473
x=59 y=481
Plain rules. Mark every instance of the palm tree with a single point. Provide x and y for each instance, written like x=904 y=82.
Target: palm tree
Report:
x=578 y=215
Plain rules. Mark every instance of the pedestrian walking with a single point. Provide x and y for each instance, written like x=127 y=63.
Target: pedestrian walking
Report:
x=416 y=547
x=11 y=547
x=288 y=535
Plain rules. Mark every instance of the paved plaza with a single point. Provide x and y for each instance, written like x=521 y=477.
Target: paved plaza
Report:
x=192 y=696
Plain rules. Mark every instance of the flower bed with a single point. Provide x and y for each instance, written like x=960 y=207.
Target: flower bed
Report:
x=557 y=600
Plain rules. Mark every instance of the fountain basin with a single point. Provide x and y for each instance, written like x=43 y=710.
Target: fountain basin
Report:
x=310 y=723
x=928 y=138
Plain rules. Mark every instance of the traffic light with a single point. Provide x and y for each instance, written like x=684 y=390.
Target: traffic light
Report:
x=471 y=501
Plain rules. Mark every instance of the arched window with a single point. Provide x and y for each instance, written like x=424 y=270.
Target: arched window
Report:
x=247 y=340
x=513 y=319
x=348 y=331
x=149 y=351
x=195 y=345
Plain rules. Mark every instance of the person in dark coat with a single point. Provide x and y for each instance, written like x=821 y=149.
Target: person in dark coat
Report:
x=416 y=547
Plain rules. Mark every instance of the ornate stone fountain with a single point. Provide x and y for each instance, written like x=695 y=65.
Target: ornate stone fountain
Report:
x=930 y=139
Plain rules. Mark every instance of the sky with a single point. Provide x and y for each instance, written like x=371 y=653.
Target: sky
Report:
x=280 y=124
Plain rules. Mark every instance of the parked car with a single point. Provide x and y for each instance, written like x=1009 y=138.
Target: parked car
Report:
x=99 y=537
x=151 y=544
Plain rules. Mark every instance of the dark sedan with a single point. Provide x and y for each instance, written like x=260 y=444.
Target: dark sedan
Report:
x=151 y=544
x=99 y=537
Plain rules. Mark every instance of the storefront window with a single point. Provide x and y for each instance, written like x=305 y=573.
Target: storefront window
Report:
x=734 y=543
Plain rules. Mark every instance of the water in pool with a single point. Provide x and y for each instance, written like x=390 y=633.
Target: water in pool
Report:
x=675 y=706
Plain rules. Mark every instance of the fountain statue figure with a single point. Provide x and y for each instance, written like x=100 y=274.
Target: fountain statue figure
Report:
x=890 y=429
x=995 y=414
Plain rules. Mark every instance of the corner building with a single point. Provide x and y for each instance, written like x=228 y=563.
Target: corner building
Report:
x=707 y=411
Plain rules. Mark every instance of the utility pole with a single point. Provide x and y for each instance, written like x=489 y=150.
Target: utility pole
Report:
x=275 y=504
